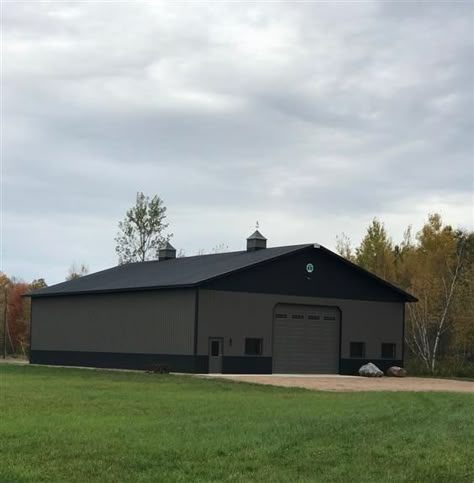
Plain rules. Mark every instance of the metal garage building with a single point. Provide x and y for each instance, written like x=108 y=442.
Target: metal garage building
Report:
x=292 y=309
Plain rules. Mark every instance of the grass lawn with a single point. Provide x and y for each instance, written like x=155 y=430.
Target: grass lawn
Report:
x=79 y=425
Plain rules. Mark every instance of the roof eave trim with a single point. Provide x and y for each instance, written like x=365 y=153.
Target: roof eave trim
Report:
x=112 y=291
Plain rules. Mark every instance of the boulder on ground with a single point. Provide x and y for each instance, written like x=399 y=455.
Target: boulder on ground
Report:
x=396 y=371
x=370 y=370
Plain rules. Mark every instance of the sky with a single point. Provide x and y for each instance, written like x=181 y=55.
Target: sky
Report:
x=311 y=117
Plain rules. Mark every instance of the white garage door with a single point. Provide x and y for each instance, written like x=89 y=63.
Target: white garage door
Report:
x=305 y=340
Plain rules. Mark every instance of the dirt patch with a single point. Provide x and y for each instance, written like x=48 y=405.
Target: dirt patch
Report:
x=14 y=360
x=354 y=383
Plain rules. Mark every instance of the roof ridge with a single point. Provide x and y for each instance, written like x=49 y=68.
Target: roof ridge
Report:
x=213 y=254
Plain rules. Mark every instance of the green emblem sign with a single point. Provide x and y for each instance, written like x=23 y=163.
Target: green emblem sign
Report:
x=310 y=268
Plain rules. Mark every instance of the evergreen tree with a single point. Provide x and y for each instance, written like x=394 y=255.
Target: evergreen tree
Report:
x=376 y=253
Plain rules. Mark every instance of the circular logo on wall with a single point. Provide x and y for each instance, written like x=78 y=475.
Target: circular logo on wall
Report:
x=309 y=268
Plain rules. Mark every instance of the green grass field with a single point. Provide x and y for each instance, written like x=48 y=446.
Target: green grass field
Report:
x=77 y=425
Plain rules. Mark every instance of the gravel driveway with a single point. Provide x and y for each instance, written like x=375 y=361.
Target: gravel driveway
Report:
x=354 y=383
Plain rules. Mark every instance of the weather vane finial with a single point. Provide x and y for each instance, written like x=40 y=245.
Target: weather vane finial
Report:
x=257 y=226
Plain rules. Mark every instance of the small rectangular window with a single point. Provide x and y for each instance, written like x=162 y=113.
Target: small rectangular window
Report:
x=281 y=316
x=329 y=317
x=297 y=316
x=389 y=351
x=313 y=317
x=215 y=348
x=357 y=349
x=253 y=347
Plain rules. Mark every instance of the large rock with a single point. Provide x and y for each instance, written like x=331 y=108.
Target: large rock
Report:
x=370 y=370
x=396 y=371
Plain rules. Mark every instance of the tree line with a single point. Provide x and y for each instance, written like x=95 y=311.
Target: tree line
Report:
x=15 y=313
x=436 y=265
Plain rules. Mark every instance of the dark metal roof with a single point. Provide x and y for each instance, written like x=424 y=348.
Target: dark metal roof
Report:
x=186 y=272
x=168 y=246
x=256 y=235
x=176 y=272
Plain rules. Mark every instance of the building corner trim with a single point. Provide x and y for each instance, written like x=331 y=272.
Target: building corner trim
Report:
x=196 y=322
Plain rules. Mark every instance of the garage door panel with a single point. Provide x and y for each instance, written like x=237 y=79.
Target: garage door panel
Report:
x=306 y=340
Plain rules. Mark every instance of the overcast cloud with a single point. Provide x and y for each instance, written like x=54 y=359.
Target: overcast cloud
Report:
x=310 y=117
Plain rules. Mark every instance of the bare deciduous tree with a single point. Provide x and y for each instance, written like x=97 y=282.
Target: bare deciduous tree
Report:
x=220 y=248
x=77 y=271
x=343 y=247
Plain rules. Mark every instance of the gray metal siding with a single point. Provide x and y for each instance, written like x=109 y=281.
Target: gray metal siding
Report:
x=236 y=315
x=138 y=322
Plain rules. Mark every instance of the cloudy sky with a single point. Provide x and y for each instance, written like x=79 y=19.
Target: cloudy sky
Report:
x=309 y=117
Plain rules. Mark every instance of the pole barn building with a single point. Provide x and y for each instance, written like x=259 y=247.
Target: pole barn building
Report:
x=293 y=309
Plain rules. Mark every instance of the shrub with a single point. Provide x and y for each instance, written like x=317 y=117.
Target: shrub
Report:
x=447 y=367
x=160 y=369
